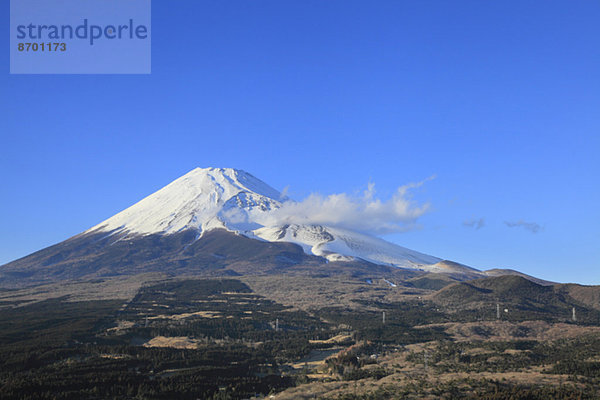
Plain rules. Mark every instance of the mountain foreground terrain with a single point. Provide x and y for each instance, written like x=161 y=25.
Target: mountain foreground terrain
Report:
x=204 y=290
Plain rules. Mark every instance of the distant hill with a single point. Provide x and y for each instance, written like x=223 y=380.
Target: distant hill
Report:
x=588 y=295
x=506 y=271
x=432 y=281
x=517 y=297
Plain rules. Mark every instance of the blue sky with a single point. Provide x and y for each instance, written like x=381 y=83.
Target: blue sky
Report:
x=499 y=100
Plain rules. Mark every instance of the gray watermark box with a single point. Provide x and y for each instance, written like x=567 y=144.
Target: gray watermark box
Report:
x=80 y=36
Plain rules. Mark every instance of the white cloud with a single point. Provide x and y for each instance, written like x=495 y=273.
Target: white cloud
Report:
x=284 y=193
x=474 y=223
x=365 y=213
x=532 y=227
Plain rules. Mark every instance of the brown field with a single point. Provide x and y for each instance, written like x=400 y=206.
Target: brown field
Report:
x=406 y=373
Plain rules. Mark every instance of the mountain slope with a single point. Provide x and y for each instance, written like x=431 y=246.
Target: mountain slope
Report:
x=97 y=255
x=337 y=244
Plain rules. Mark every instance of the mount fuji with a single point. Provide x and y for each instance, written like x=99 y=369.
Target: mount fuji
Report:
x=216 y=221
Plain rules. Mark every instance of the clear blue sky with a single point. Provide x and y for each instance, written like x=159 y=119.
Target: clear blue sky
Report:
x=500 y=100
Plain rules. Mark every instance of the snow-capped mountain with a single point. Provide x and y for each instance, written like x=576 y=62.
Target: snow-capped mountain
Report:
x=219 y=222
x=234 y=200
x=203 y=199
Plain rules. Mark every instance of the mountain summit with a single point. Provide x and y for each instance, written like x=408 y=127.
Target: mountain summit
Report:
x=203 y=199
x=216 y=221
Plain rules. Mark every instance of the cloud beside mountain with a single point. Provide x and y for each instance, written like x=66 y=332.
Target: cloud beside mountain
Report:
x=474 y=223
x=532 y=227
x=365 y=213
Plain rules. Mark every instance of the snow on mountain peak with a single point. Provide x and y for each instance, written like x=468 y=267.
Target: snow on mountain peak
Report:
x=202 y=199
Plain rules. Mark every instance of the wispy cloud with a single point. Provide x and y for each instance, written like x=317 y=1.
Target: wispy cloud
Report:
x=365 y=212
x=474 y=223
x=532 y=227
x=284 y=193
